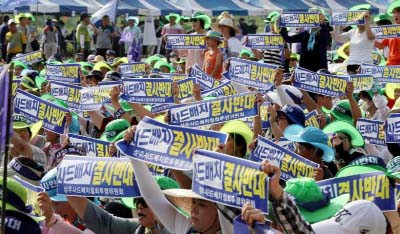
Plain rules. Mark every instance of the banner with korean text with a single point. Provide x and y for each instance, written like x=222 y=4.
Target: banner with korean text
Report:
x=35 y=109
x=299 y=19
x=265 y=41
x=69 y=73
x=372 y=131
x=169 y=146
x=214 y=111
x=291 y=164
x=229 y=180
x=147 y=90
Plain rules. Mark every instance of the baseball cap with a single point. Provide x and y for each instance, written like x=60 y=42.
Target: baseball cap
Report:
x=356 y=217
x=11 y=21
x=294 y=113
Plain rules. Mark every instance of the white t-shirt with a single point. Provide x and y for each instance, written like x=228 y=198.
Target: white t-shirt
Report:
x=235 y=45
x=360 y=47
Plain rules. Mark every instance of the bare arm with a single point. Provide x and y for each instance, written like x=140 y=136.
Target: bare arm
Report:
x=355 y=109
x=20 y=146
x=370 y=34
x=79 y=204
x=96 y=118
x=141 y=112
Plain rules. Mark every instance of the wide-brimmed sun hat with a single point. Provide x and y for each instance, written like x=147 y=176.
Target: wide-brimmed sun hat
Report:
x=115 y=130
x=228 y=22
x=395 y=4
x=314 y=205
x=177 y=17
x=201 y=16
x=349 y=129
x=310 y=135
x=240 y=128
x=49 y=183
x=213 y=35
x=182 y=198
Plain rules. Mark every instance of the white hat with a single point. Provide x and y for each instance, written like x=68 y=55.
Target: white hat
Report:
x=225 y=21
x=357 y=217
x=291 y=91
x=10 y=21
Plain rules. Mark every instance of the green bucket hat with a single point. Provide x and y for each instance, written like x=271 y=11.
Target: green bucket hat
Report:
x=342 y=111
x=17 y=198
x=163 y=181
x=360 y=7
x=201 y=16
x=18 y=63
x=177 y=17
x=382 y=16
x=153 y=59
x=246 y=51
x=395 y=4
x=240 y=128
x=39 y=81
x=349 y=129
x=314 y=205
x=115 y=130
x=362 y=166
x=162 y=63
x=270 y=16
x=86 y=64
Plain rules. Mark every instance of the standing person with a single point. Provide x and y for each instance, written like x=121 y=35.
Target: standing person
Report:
x=82 y=34
x=3 y=31
x=252 y=27
x=314 y=43
x=200 y=22
x=244 y=28
x=213 y=58
x=104 y=34
x=62 y=33
x=232 y=45
x=361 y=42
x=49 y=40
x=134 y=29
x=173 y=27
x=22 y=23
x=15 y=40
x=32 y=37
x=392 y=43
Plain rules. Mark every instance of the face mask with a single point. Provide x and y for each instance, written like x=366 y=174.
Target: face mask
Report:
x=364 y=106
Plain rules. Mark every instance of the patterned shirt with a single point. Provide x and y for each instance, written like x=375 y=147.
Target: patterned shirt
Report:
x=289 y=217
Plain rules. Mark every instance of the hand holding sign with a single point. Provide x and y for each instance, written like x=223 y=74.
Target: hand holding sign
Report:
x=275 y=189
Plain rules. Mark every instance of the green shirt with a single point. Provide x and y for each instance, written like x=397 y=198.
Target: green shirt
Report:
x=82 y=36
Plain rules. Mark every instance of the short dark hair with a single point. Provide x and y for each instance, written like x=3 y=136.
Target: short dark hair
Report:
x=240 y=141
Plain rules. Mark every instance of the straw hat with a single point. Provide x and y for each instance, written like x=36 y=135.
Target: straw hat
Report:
x=228 y=22
x=181 y=198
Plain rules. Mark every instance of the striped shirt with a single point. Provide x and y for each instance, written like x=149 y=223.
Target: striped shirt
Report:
x=273 y=57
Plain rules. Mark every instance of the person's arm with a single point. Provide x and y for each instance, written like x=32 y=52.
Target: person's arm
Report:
x=291 y=39
x=96 y=118
x=355 y=109
x=140 y=111
x=100 y=221
x=341 y=37
x=184 y=181
x=23 y=41
x=370 y=34
x=381 y=44
x=22 y=148
x=257 y=128
x=217 y=66
x=118 y=111
x=310 y=103
x=273 y=115
x=170 y=217
x=287 y=214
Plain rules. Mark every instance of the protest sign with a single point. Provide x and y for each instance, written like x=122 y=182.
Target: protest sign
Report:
x=392 y=128
x=362 y=82
x=383 y=74
x=169 y=146
x=206 y=81
x=324 y=84
x=241 y=227
x=291 y=164
x=374 y=187
x=133 y=69
x=67 y=92
x=147 y=90
x=372 y=131
x=229 y=180
x=30 y=58
x=35 y=109
x=214 y=111
x=225 y=89
x=174 y=76
x=250 y=73
x=96 y=177
x=397 y=192
x=90 y=146
x=265 y=41
x=186 y=87
x=185 y=42
x=311 y=119
x=92 y=98
x=347 y=18
x=286 y=144
x=386 y=31
x=299 y=19
x=69 y=73
x=158 y=108
x=28 y=185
